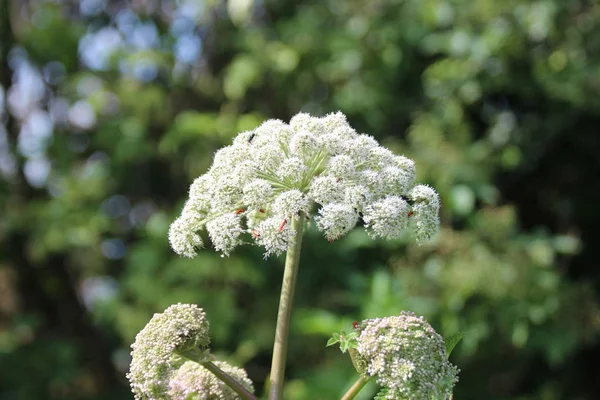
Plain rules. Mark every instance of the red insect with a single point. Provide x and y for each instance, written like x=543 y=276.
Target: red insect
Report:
x=261 y=210
x=239 y=211
x=410 y=213
x=283 y=224
x=355 y=325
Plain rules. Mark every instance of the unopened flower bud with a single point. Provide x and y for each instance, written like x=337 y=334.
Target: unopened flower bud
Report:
x=180 y=328
x=407 y=357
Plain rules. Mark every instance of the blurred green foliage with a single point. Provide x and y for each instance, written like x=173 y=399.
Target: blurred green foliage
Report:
x=497 y=102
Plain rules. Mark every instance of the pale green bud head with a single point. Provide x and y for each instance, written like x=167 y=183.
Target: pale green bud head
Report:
x=180 y=328
x=406 y=356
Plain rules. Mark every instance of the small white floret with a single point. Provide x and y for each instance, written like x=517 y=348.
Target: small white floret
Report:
x=335 y=220
x=387 y=217
x=224 y=232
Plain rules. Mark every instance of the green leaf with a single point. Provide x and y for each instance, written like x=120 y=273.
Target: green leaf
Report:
x=452 y=340
x=346 y=340
x=344 y=347
x=333 y=340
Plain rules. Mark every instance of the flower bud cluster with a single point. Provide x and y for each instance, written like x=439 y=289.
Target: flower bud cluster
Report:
x=158 y=369
x=193 y=381
x=407 y=357
x=153 y=357
x=278 y=171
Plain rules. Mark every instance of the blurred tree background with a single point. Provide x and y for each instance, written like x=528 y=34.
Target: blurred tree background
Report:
x=111 y=108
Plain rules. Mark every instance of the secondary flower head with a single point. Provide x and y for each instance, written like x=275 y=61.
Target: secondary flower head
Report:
x=407 y=357
x=279 y=171
x=193 y=381
x=180 y=328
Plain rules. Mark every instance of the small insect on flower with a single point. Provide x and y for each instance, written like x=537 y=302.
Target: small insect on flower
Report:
x=283 y=224
x=239 y=211
x=410 y=213
x=408 y=200
x=255 y=234
x=260 y=210
x=355 y=325
x=252 y=136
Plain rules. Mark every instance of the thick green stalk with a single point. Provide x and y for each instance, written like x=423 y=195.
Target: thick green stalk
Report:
x=357 y=387
x=285 y=310
x=228 y=380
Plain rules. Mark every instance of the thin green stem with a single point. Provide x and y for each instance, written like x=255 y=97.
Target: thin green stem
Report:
x=285 y=310
x=357 y=387
x=228 y=380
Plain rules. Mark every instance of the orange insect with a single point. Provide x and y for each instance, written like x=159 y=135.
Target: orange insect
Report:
x=255 y=234
x=410 y=213
x=239 y=211
x=261 y=210
x=283 y=224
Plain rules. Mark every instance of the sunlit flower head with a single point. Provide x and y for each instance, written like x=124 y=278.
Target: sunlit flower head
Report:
x=317 y=167
x=406 y=356
x=180 y=328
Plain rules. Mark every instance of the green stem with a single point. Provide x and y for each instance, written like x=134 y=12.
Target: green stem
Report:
x=285 y=310
x=357 y=387
x=228 y=380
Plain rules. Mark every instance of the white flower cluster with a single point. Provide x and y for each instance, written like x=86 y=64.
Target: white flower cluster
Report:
x=180 y=327
x=278 y=171
x=194 y=382
x=407 y=357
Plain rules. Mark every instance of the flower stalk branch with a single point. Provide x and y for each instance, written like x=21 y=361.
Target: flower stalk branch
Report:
x=356 y=387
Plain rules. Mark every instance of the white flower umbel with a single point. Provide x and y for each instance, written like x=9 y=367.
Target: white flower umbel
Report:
x=180 y=328
x=276 y=172
x=406 y=356
x=193 y=381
